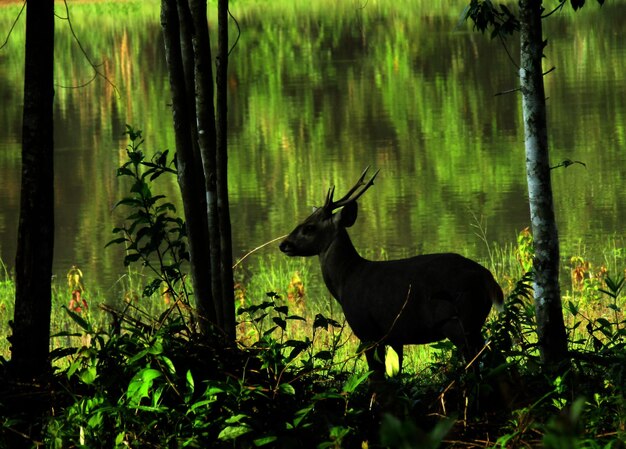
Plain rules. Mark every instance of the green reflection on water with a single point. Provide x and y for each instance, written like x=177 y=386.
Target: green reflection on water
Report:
x=319 y=90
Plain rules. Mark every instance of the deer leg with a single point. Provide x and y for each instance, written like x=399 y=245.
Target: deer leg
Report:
x=468 y=343
x=376 y=361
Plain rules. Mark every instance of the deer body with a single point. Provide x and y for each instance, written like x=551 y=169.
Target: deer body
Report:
x=418 y=300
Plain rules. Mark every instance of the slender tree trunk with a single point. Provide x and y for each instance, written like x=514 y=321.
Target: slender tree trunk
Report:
x=205 y=119
x=202 y=144
x=35 y=241
x=550 y=327
x=222 y=172
x=190 y=176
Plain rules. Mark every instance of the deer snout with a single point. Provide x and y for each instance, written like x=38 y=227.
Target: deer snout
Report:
x=287 y=247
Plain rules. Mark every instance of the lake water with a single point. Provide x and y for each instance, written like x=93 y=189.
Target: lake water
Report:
x=319 y=91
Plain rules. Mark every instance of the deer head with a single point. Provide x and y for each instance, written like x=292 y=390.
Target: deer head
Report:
x=315 y=234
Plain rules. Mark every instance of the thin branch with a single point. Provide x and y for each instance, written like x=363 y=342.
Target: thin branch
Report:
x=238 y=32
x=560 y=6
x=519 y=88
x=551 y=70
x=6 y=41
x=510 y=91
x=567 y=162
x=506 y=49
x=93 y=65
x=363 y=5
x=258 y=248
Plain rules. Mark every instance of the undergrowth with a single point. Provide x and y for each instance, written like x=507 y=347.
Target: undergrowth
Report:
x=145 y=377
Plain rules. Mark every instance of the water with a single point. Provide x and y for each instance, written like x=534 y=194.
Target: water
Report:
x=315 y=97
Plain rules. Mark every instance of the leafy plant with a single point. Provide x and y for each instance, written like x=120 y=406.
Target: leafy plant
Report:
x=153 y=234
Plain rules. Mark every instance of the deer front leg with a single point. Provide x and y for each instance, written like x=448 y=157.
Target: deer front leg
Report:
x=375 y=356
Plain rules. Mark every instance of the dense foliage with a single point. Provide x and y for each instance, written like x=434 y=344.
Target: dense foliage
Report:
x=151 y=382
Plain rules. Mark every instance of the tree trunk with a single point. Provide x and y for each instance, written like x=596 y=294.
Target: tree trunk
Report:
x=190 y=176
x=550 y=327
x=201 y=138
x=223 y=207
x=35 y=241
x=205 y=119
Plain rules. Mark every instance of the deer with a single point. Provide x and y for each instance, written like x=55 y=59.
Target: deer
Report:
x=417 y=300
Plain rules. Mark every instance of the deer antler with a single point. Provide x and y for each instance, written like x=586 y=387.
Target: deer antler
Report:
x=353 y=194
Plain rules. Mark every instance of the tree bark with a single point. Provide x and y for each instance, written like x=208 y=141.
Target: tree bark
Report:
x=222 y=172
x=190 y=176
x=201 y=138
x=35 y=241
x=205 y=120
x=548 y=310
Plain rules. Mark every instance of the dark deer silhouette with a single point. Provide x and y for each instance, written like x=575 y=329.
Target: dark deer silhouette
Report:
x=418 y=300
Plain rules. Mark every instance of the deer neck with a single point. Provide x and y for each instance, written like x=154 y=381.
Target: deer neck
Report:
x=337 y=261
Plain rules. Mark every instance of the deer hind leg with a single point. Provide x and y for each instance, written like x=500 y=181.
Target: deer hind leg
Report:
x=468 y=342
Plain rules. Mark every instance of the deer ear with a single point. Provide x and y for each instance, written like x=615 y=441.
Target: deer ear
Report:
x=347 y=216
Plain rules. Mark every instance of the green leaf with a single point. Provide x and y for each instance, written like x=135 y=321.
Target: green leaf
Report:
x=190 y=382
x=89 y=375
x=138 y=356
x=140 y=385
x=573 y=309
x=354 y=381
x=66 y=334
x=577 y=4
x=166 y=207
x=321 y=321
x=212 y=391
x=392 y=362
x=324 y=355
x=152 y=287
x=232 y=432
x=282 y=309
x=270 y=330
x=96 y=420
x=129 y=258
x=263 y=441
x=287 y=389
x=134 y=202
x=79 y=320
x=116 y=241
x=280 y=322
x=168 y=362
x=603 y=322
x=301 y=414
x=123 y=171
x=156 y=347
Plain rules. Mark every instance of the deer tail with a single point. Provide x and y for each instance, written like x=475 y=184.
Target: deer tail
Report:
x=497 y=297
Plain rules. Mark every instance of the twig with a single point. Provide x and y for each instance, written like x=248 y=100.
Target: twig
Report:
x=510 y=91
x=6 y=41
x=84 y=52
x=258 y=248
x=238 y=32
x=567 y=162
